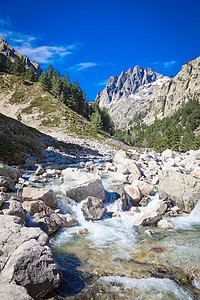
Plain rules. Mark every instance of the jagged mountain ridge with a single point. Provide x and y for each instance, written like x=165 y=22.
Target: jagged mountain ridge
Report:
x=6 y=51
x=149 y=93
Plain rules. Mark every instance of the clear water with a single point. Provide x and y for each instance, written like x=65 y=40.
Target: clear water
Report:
x=117 y=260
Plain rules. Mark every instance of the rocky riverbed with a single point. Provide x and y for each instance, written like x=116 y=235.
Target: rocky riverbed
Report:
x=101 y=222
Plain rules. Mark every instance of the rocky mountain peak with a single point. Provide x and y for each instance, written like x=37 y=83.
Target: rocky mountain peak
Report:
x=6 y=51
x=126 y=84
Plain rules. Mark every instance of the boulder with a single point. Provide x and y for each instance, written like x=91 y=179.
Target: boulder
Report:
x=134 y=194
x=132 y=167
x=31 y=265
x=122 y=169
x=14 y=208
x=50 y=221
x=2 y=200
x=134 y=209
x=167 y=154
x=80 y=185
x=144 y=187
x=39 y=171
x=120 y=195
x=7 y=183
x=34 y=194
x=182 y=190
x=32 y=207
x=118 y=178
x=93 y=208
x=148 y=219
x=119 y=155
x=10 y=291
x=9 y=172
x=165 y=224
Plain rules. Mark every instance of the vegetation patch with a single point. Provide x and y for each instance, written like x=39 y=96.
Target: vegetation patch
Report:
x=17 y=98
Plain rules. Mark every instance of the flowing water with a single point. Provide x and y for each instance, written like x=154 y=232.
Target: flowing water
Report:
x=117 y=260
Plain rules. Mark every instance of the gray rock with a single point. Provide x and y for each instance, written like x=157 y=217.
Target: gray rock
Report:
x=134 y=194
x=10 y=291
x=32 y=193
x=14 y=208
x=31 y=265
x=93 y=208
x=148 y=219
x=182 y=190
x=79 y=185
x=8 y=171
x=39 y=171
x=7 y=183
x=165 y=224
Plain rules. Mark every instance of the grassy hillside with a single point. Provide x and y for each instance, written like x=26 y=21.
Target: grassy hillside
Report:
x=25 y=101
x=18 y=141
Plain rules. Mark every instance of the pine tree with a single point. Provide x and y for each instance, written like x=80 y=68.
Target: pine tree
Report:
x=30 y=74
x=44 y=81
x=2 y=65
x=96 y=120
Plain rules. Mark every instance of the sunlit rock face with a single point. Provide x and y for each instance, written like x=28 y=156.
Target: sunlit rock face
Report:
x=150 y=94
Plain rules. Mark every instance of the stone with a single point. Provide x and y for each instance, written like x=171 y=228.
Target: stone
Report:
x=182 y=190
x=134 y=194
x=154 y=235
x=7 y=171
x=82 y=231
x=119 y=155
x=167 y=154
x=93 y=208
x=68 y=220
x=116 y=215
x=80 y=185
x=134 y=209
x=11 y=291
x=2 y=200
x=148 y=219
x=162 y=207
x=31 y=265
x=50 y=221
x=120 y=195
x=14 y=208
x=196 y=172
x=122 y=169
x=7 y=183
x=118 y=178
x=32 y=207
x=165 y=224
x=144 y=187
x=40 y=170
x=89 y=166
x=34 y=194
x=145 y=201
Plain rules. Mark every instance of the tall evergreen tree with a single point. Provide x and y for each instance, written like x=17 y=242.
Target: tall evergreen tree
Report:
x=30 y=74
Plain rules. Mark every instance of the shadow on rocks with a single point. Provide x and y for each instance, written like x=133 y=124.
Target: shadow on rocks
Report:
x=73 y=279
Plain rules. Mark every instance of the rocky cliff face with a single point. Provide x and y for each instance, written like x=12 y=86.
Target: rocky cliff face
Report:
x=8 y=51
x=176 y=91
x=144 y=91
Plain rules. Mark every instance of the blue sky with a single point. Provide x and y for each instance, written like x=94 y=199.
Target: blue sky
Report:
x=93 y=40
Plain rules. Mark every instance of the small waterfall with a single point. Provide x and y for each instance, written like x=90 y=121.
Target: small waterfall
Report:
x=188 y=221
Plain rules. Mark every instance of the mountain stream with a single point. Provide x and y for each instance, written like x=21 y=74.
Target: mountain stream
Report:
x=116 y=260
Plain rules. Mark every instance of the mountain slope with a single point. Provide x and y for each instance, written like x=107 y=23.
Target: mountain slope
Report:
x=130 y=93
x=25 y=101
x=6 y=51
x=148 y=93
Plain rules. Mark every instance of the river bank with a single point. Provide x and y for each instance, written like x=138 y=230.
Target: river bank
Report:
x=142 y=231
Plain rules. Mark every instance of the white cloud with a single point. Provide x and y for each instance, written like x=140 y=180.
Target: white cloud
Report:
x=43 y=54
x=169 y=64
x=5 y=22
x=103 y=83
x=164 y=64
x=84 y=66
